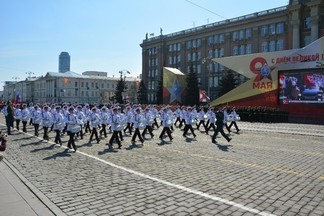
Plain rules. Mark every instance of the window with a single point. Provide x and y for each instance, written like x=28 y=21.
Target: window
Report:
x=235 y=50
x=107 y=85
x=216 y=39
x=221 y=38
x=179 y=47
x=235 y=36
x=248 y=33
x=242 y=34
x=188 y=44
x=194 y=43
x=280 y=28
x=178 y=59
x=216 y=67
x=174 y=59
x=170 y=59
x=198 y=69
x=210 y=40
x=82 y=84
x=194 y=57
x=102 y=85
x=242 y=49
x=264 y=46
x=198 y=42
x=280 y=45
x=307 y=40
x=272 y=46
x=210 y=53
x=272 y=29
x=215 y=53
x=221 y=52
x=174 y=47
x=189 y=57
x=264 y=30
x=198 y=56
x=307 y=23
x=92 y=85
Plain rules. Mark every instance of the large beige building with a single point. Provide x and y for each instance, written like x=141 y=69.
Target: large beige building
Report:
x=70 y=87
x=293 y=26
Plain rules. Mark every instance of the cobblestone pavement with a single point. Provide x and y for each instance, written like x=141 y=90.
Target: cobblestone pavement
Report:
x=268 y=169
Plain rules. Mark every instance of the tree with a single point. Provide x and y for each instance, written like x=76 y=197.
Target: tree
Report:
x=121 y=84
x=227 y=83
x=142 y=93
x=192 y=88
x=159 y=91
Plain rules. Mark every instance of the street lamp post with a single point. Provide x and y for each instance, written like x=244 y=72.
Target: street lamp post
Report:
x=208 y=61
x=123 y=75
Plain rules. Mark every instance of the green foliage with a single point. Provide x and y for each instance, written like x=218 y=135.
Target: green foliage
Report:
x=121 y=84
x=192 y=89
x=159 y=92
x=142 y=93
x=227 y=83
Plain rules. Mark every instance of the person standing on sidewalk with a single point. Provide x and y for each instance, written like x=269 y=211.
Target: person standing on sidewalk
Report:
x=3 y=144
x=9 y=114
x=220 y=125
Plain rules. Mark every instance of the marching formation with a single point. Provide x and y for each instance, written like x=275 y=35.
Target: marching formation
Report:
x=136 y=120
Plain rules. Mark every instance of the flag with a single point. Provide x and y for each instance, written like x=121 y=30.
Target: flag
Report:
x=66 y=80
x=18 y=98
x=152 y=35
x=203 y=97
x=308 y=81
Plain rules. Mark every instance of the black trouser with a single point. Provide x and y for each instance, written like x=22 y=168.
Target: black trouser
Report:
x=203 y=123
x=36 y=126
x=186 y=128
x=80 y=132
x=177 y=120
x=155 y=123
x=94 y=132
x=71 y=140
x=87 y=127
x=17 y=123
x=113 y=137
x=182 y=121
x=24 y=126
x=166 y=130
x=120 y=135
x=45 y=136
x=128 y=126
x=211 y=125
x=58 y=137
x=103 y=130
x=149 y=129
x=30 y=121
x=137 y=133
x=227 y=128
x=220 y=129
x=235 y=125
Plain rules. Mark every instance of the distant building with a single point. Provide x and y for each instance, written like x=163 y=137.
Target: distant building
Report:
x=64 y=62
x=70 y=87
x=289 y=27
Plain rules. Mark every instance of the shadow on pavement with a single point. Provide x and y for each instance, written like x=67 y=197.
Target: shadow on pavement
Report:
x=133 y=145
x=44 y=148
x=33 y=143
x=108 y=150
x=224 y=148
x=59 y=154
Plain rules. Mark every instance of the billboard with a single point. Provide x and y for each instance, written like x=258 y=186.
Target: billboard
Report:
x=301 y=86
x=174 y=84
x=261 y=69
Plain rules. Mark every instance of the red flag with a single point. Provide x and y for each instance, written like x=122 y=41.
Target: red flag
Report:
x=308 y=81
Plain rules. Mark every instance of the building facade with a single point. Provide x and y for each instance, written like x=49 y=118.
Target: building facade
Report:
x=69 y=87
x=289 y=27
x=64 y=62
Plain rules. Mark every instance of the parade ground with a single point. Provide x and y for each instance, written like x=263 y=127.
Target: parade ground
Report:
x=267 y=169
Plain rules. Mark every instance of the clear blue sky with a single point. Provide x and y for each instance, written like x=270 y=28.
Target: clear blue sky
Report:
x=101 y=35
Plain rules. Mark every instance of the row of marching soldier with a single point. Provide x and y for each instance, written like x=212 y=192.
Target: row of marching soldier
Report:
x=137 y=120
